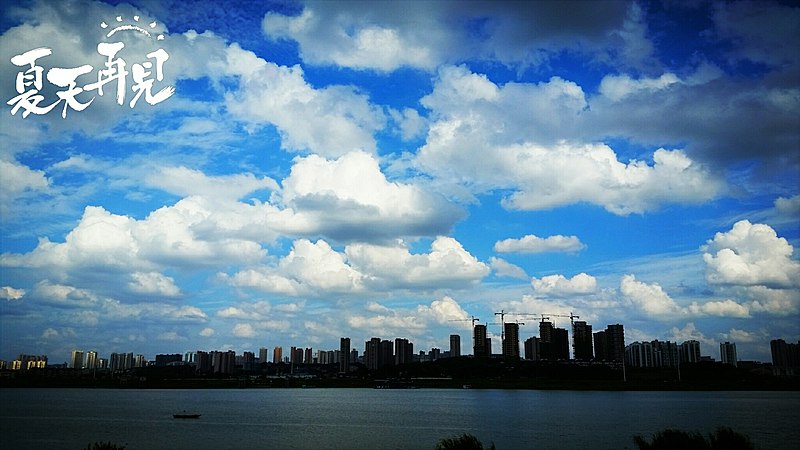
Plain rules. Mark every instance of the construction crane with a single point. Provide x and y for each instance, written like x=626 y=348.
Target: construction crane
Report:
x=472 y=319
x=572 y=318
x=502 y=315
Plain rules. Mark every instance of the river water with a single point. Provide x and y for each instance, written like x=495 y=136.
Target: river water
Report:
x=382 y=419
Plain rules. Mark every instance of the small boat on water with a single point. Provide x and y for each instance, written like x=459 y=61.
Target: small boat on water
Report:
x=184 y=415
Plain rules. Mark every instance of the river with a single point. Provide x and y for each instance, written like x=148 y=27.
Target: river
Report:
x=382 y=419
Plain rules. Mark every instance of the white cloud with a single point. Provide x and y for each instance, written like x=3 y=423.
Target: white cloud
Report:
x=503 y=268
x=19 y=180
x=336 y=119
x=789 y=207
x=247 y=311
x=172 y=336
x=650 y=298
x=10 y=293
x=186 y=182
x=558 y=285
x=350 y=197
x=534 y=244
x=723 y=308
x=690 y=332
x=312 y=268
x=617 y=87
x=380 y=38
x=390 y=267
x=206 y=332
x=489 y=137
x=443 y=310
x=243 y=330
x=751 y=255
x=153 y=283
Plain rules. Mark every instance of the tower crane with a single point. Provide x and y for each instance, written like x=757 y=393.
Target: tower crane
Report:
x=472 y=319
x=502 y=315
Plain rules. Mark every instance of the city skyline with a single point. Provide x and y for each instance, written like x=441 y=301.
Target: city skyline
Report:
x=298 y=172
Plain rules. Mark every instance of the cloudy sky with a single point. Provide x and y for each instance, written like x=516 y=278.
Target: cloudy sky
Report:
x=391 y=169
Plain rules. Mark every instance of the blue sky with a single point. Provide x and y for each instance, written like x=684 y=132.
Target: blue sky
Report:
x=329 y=169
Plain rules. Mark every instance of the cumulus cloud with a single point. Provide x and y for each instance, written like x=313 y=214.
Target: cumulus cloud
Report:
x=10 y=293
x=350 y=197
x=559 y=285
x=617 y=87
x=789 y=207
x=187 y=182
x=650 y=298
x=723 y=308
x=153 y=283
x=751 y=255
x=534 y=244
x=311 y=268
x=503 y=268
x=390 y=267
x=690 y=333
x=485 y=137
x=379 y=38
x=206 y=332
x=243 y=330
x=19 y=180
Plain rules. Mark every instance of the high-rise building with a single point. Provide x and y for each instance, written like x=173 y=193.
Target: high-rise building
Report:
x=690 y=351
x=121 y=362
x=640 y=354
x=248 y=361
x=785 y=357
x=404 y=351
x=481 y=345
x=582 y=341
x=553 y=342
x=308 y=356
x=386 y=353
x=727 y=353
x=263 y=355
x=91 y=360
x=139 y=361
x=511 y=341
x=223 y=362
x=532 y=349
x=665 y=354
x=371 y=349
x=202 y=362
x=455 y=346
x=277 y=355
x=296 y=355
x=609 y=345
x=76 y=359
x=28 y=362
x=344 y=354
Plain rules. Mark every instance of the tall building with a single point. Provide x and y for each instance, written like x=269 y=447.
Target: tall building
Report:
x=371 y=349
x=640 y=354
x=609 y=345
x=785 y=357
x=481 y=346
x=248 y=361
x=202 y=362
x=308 y=356
x=727 y=353
x=553 y=342
x=76 y=359
x=277 y=355
x=223 y=362
x=92 y=360
x=403 y=351
x=164 y=360
x=386 y=353
x=263 y=355
x=582 y=341
x=532 y=349
x=121 y=362
x=344 y=355
x=296 y=355
x=690 y=351
x=665 y=354
x=28 y=362
x=455 y=346
x=511 y=341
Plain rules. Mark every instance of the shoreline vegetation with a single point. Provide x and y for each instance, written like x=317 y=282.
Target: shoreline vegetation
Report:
x=445 y=373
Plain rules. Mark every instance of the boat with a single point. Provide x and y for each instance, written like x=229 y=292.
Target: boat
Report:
x=184 y=415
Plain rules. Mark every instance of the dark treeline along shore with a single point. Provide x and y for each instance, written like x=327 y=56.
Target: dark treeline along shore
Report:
x=462 y=372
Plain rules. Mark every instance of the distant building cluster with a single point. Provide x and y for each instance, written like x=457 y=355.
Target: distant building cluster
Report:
x=552 y=344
